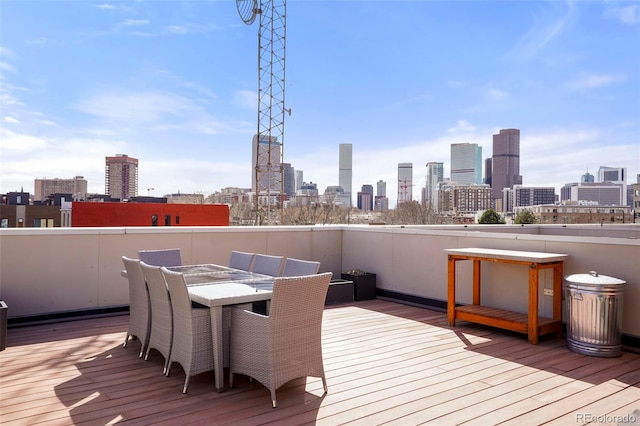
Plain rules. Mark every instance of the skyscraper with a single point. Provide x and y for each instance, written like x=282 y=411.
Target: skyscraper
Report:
x=288 y=174
x=121 y=176
x=266 y=159
x=405 y=182
x=345 y=163
x=299 y=179
x=587 y=178
x=506 y=162
x=365 y=198
x=435 y=175
x=381 y=188
x=466 y=163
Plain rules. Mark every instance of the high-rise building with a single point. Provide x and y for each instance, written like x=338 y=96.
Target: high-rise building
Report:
x=266 y=159
x=466 y=163
x=76 y=186
x=435 y=175
x=381 y=188
x=345 y=164
x=587 y=178
x=121 y=176
x=299 y=179
x=488 y=166
x=505 y=171
x=365 y=198
x=288 y=174
x=405 y=182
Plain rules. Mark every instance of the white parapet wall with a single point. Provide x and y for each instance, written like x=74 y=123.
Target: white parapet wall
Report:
x=58 y=270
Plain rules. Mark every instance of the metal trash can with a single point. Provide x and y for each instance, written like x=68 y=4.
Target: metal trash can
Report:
x=594 y=314
x=3 y=325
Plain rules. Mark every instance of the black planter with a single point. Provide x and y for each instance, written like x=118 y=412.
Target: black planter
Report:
x=340 y=291
x=364 y=285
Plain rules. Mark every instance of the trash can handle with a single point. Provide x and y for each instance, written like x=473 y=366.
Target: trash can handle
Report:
x=593 y=273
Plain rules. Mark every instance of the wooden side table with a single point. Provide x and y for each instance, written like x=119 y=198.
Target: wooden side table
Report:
x=530 y=323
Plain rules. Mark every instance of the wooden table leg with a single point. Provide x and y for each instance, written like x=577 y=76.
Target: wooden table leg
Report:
x=476 y=282
x=557 y=297
x=532 y=322
x=451 y=291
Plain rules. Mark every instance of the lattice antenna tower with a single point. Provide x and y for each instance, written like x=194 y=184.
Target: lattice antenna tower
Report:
x=269 y=171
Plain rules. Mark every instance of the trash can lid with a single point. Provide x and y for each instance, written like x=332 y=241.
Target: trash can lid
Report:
x=593 y=278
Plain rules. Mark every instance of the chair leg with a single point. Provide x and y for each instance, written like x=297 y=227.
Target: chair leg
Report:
x=146 y=355
x=167 y=367
x=126 y=340
x=273 y=397
x=324 y=385
x=231 y=380
x=186 y=384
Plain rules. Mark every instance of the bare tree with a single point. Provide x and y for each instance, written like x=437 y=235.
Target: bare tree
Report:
x=412 y=213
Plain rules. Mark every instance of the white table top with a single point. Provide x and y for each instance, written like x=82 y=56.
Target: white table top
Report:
x=231 y=293
x=522 y=256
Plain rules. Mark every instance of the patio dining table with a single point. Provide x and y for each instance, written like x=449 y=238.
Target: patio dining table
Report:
x=216 y=286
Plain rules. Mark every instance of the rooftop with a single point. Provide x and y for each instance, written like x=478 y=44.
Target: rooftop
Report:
x=385 y=362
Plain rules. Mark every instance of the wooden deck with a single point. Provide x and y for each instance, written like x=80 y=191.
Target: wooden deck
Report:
x=386 y=363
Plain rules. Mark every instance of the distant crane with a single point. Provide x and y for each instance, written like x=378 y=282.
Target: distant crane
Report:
x=271 y=84
x=149 y=191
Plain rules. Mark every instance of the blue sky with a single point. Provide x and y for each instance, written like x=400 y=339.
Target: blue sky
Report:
x=174 y=84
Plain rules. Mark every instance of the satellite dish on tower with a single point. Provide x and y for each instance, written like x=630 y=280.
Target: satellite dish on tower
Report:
x=247 y=9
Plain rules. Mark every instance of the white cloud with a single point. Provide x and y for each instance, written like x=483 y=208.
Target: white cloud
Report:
x=591 y=81
x=136 y=107
x=11 y=120
x=135 y=22
x=463 y=126
x=6 y=67
x=36 y=41
x=105 y=6
x=12 y=142
x=4 y=51
x=543 y=31
x=245 y=99
x=625 y=14
x=496 y=94
x=48 y=123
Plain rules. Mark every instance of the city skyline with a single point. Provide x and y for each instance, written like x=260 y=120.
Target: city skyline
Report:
x=174 y=84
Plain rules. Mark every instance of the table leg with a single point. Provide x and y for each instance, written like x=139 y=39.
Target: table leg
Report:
x=532 y=330
x=557 y=297
x=476 y=282
x=451 y=296
x=217 y=341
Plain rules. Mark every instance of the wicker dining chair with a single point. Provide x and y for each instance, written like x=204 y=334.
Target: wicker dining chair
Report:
x=162 y=257
x=161 y=336
x=192 y=342
x=286 y=344
x=139 y=312
x=296 y=267
x=241 y=260
x=267 y=265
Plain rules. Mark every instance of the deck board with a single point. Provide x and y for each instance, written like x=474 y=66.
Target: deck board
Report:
x=385 y=363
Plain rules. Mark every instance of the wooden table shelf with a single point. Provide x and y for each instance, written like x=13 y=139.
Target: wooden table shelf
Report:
x=531 y=323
